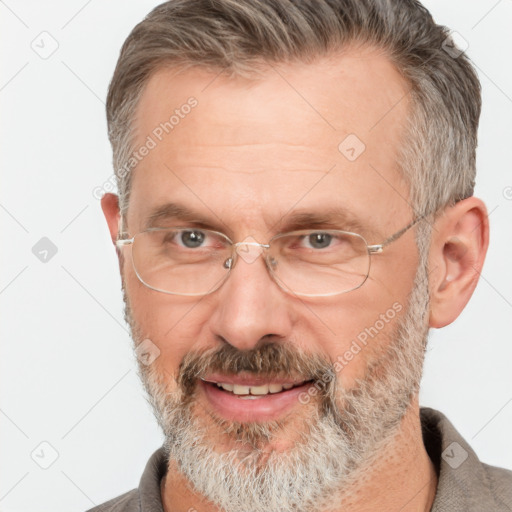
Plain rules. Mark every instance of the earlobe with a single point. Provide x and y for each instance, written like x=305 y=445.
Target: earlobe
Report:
x=110 y=207
x=459 y=245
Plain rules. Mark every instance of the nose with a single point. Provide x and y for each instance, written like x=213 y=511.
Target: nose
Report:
x=250 y=305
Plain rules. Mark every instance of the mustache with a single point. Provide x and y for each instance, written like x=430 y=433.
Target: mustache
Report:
x=272 y=360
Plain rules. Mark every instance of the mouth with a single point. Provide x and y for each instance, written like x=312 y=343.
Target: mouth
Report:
x=244 y=400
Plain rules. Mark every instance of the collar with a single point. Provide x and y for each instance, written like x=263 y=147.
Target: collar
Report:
x=464 y=483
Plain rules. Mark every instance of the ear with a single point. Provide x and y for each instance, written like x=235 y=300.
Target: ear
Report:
x=459 y=244
x=110 y=207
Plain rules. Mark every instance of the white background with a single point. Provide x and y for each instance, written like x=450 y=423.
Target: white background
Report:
x=68 y=376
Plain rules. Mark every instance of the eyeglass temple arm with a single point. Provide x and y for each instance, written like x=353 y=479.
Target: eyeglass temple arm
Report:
x=120 y=234
x=376 y=249
x=126 y=241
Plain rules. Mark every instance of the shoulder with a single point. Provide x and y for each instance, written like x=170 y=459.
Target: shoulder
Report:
x=500 y=484
x=465 y=484
x=147 y=496
x=127 y=502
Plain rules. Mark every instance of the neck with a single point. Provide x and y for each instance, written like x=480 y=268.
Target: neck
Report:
x=400 y=477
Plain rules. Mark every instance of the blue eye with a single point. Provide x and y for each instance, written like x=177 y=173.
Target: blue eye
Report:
x=319 y=240
x=192 y=239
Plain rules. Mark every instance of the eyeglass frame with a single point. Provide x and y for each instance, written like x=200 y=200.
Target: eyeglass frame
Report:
x=372 y=249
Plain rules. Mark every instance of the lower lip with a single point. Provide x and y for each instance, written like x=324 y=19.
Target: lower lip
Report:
x=262 y=408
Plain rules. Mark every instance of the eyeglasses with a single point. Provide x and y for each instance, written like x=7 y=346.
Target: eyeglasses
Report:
x=310 y=263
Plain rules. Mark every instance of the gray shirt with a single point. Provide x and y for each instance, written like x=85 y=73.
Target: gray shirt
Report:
x=464 y=483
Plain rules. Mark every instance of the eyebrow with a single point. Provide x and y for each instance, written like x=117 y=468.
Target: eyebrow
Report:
x=331 y=218
x=334 y=218
x=176 y=211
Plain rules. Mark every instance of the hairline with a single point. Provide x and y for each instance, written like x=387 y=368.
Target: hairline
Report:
x=262 y=65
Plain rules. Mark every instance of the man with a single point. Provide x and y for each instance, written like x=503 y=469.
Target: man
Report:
x=295 y=212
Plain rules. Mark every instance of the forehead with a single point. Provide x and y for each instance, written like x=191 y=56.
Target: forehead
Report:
x=250 y=151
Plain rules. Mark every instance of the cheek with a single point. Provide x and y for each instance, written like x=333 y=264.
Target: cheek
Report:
x=358 y=329
x=392 y=277
x=174 y=324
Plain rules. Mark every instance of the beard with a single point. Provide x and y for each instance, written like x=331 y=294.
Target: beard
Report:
x=342 y=433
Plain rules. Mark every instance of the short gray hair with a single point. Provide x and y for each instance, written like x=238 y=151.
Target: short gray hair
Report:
x=437 y=157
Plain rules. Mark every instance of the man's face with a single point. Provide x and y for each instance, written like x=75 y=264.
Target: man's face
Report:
x=250 y=155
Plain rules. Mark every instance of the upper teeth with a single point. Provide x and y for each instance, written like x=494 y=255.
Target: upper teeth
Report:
x=239 y=389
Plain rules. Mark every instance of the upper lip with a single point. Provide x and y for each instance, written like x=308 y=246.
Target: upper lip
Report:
x=251 y=380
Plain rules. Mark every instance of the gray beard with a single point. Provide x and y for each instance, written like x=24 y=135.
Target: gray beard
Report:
x=345 y=431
